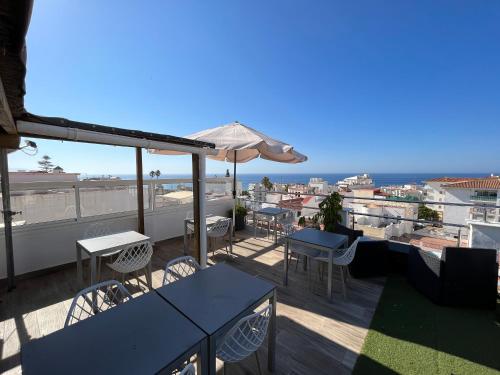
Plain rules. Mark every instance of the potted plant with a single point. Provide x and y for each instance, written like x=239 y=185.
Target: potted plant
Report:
x=241 y=213
x=329 y=212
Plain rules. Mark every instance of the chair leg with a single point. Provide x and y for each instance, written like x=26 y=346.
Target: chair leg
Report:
x=343 y=280
x=309 y=274
x=149 y=277
x=123 y=278
x=297 y=263
x=258 y=362
x=99 y=261
x=137 y=278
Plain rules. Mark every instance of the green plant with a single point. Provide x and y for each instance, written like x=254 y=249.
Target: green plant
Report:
x=240 y=211
x=302 y=221
x=426 y=213
x=329 y=212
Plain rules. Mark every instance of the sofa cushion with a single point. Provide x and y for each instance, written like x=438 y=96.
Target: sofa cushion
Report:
x=371 y=259
x=470 y=277
x=351 y=233
x=424 y=270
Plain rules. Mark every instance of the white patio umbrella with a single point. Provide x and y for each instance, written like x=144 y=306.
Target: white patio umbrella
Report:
x=239 y=143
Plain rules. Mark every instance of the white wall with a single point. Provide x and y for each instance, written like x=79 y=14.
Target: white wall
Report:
x=484 y=235
x=456 y=214
x=46 y=245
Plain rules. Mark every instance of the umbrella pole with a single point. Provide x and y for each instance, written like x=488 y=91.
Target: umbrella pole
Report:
x=234 y=193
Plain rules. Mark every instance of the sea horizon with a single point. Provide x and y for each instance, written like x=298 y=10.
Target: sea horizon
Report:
x=379 y=179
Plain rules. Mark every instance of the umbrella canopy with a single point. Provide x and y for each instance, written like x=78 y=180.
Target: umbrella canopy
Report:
x=239 y=143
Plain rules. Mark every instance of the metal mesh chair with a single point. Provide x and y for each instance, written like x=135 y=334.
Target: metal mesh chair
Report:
x=286 y=224
x=263 y=219
x=341 y=259
x=188 y=370
x=133 y=258
x=95 y=299
x=180 y=267
x=98 y=230
x=245 y=337
x=218 y=230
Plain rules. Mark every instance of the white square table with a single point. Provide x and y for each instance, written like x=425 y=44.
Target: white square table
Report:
x=105 y=244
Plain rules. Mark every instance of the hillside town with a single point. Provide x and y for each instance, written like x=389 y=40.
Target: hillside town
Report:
x=439 y=212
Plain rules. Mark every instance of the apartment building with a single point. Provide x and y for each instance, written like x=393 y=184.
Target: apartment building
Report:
x=434 y=192
x=478 y=190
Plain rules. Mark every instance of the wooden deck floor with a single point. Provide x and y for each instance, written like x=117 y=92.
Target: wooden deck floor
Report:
x=314 y=336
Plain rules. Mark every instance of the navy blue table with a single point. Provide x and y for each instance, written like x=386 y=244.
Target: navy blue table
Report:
x=145 y=335
x=316 y=239
x=216 y=298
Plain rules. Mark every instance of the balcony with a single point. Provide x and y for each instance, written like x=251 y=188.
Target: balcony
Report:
x=483 y=198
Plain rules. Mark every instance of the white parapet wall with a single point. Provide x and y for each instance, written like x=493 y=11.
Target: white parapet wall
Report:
x=41 y=243
x=46 y=245
x=484 y=235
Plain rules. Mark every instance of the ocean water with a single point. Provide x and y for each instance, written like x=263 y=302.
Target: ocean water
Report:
x=379 y=179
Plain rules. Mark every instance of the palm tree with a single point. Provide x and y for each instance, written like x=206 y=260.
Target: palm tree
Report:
x=268 y=185
x=152 y=174
x=158 y=173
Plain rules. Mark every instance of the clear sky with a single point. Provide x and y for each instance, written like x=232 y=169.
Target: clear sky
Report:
x=375 y=86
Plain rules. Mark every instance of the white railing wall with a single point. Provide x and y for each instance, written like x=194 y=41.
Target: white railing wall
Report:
x=48 y=244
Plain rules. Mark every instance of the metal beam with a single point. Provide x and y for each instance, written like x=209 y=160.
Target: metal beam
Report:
x=203 y=216
x=196 y=205
x=140 y=189
x=6 y=120
x=7 y=218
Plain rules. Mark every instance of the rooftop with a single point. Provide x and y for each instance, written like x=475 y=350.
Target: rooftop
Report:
x=313 y=334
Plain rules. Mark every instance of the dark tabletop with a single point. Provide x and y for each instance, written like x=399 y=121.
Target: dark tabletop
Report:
x=216 y=295
x=272 y=211
x=142 y=336
x=319 y=238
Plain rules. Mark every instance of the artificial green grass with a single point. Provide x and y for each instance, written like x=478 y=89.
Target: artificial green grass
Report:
x=411 y=335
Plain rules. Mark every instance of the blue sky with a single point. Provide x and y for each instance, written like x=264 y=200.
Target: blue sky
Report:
x=376 y=86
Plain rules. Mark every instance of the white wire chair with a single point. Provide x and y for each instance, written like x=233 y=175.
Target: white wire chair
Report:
x=95 y=299
x=188 y=370
x=286 y=224
x=100 y=229
x=132 y=259
x=341 y=259
x=218 y=230
x=263 y=219
x=245 y=337
x=180 y=267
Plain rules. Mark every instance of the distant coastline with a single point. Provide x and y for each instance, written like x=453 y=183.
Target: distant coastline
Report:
x=379 y=179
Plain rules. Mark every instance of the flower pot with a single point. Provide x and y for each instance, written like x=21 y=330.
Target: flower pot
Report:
x=239 y=222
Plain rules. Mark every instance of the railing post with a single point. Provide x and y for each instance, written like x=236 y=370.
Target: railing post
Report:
x=459 y=237
x=78 y=207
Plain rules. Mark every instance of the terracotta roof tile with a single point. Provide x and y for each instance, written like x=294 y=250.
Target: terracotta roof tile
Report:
x=479 y=183
x=451 y=179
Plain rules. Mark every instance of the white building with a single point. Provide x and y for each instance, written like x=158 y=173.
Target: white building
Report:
x=37 y=176
x=257 y=192
x=318 y=185
x=477 y=190
x=380 y=225
x=434 y=192
x=356 y=182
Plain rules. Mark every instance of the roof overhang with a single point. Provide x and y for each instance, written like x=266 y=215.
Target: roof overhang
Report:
x=106 y=135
